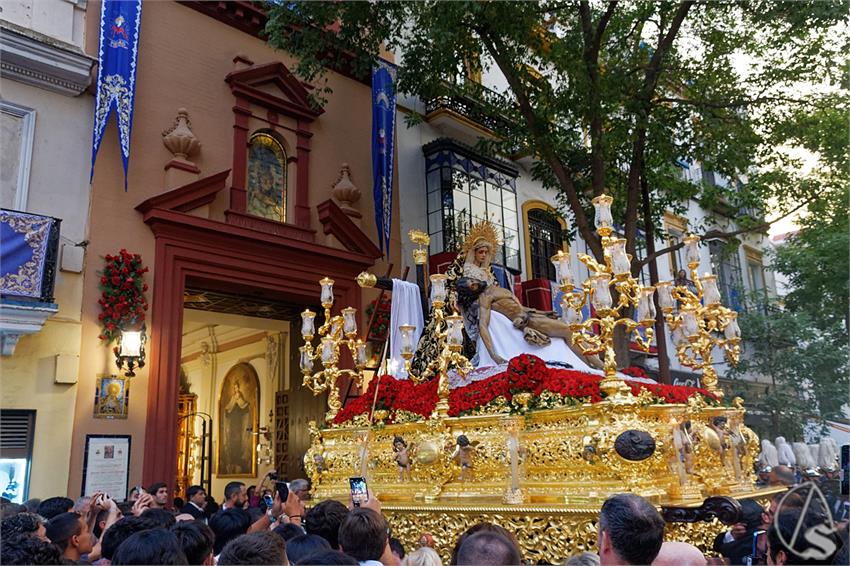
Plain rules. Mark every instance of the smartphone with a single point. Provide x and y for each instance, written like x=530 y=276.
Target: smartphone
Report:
x=282 y=490
x=844 y=476
x=140 y=490
x=359 y=491
x=268 y=500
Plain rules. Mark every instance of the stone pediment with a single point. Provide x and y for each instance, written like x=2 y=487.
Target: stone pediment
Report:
x=273 y=86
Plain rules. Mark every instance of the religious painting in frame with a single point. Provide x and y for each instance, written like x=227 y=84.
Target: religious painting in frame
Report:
x=111 y=397
x=238 y=419
x=266 y=177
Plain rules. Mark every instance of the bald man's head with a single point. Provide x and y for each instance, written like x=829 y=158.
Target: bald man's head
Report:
x=679 y=554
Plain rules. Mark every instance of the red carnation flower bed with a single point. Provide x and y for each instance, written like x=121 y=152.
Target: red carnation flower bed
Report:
x=525 y=373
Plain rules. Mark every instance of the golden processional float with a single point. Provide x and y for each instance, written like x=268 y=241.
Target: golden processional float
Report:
x=537 y=449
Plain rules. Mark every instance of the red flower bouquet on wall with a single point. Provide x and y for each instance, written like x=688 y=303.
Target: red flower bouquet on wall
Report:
x=122 y=300
x=549 y=387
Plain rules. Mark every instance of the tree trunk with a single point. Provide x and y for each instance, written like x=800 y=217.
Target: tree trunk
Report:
x=660 y=339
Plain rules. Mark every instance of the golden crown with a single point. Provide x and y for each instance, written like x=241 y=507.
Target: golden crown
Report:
x=483 y=231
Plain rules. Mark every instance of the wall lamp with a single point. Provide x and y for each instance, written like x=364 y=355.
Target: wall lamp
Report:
x=131 y=351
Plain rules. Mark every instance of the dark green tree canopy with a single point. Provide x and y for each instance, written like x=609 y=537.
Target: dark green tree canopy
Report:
x=608 y=96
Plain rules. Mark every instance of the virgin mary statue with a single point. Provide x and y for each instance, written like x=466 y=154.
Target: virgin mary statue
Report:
x=495 y=319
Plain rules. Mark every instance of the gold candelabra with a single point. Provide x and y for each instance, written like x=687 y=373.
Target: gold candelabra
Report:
x=596 y=334
x=448 y=331
x=336 y=331
x=702 y=323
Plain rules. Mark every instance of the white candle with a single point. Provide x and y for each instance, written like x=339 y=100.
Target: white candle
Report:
x=689 y=321
x=308 y=324
x=306 y=362
x=569 y=314
x=678 y=337
x=710 y=293
x=619 y=260
x=438 y=288
x=406 y=331
x=328 y=351
x=349 y=318
x=665 y=295
x=646 y=306
x=601 y=291
x=327 y=296
x=455 y=331
x=692 y=249
x=732 y=329
x=603 y=218
x=360 y=354
x=561 y=261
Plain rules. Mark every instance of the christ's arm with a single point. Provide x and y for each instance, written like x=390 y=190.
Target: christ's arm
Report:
x=484 y=327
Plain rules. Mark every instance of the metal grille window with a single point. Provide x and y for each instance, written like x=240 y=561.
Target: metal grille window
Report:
x=17 y=428
x=726 y=264
x=465 y=188
x=546 y=239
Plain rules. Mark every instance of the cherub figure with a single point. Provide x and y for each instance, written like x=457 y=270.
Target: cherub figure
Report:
x=463 y=455
x=402 y=458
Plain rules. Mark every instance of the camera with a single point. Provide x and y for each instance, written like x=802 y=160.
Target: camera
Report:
x=272 y=475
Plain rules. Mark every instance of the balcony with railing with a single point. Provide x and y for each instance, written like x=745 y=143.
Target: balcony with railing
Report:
x=29 y=250
x=469 y=103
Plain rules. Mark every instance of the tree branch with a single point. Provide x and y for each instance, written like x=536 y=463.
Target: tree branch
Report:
x=644 y=97
x=603 y=21
x=538 y=131
x=711 y=234
x=730 y=104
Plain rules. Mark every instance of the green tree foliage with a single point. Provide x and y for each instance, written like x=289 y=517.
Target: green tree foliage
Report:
x=807 y=367
x=606 y=95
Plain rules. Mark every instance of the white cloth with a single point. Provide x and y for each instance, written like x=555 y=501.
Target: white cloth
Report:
x=785 y=453
x=406 y=309
x=509 y=342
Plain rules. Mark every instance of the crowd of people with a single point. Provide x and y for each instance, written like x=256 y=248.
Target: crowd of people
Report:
x=150 y=528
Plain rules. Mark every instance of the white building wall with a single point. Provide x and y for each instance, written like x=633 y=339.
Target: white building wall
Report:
x=46 y=127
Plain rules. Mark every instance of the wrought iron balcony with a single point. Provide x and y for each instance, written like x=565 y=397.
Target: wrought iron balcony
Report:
x=29 y=248
x=469 y=100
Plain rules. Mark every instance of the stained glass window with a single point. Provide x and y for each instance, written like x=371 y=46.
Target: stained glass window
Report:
x=266 y=177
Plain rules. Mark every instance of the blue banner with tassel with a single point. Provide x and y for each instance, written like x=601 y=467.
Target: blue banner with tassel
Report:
x=383 y=134
x=116 y=75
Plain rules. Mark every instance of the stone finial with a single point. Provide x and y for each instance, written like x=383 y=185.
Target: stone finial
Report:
x=179 y=138
x=346 y=192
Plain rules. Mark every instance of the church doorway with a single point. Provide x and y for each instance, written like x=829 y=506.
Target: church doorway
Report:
x=278 y=266
x=242 y=408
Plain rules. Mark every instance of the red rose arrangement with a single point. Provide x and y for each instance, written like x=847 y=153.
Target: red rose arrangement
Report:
x=634 y=371
x=122 y=300
x=525 y=373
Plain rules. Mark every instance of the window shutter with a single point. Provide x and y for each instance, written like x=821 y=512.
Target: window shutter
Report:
x=16 y=433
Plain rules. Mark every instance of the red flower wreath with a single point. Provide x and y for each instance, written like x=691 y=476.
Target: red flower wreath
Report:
x=122 y=300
